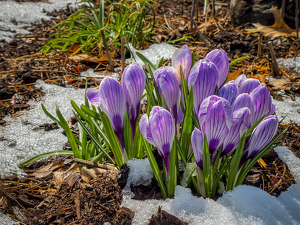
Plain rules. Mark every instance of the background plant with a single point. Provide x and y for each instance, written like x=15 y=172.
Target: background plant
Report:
x=127 y=18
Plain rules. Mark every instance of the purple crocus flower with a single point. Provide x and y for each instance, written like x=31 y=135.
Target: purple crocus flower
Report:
x=169 y=87
x=215 y=119
x=197 y=144
x=110 y=98
x=229 y=91
x=240 y=79
x=220 y=59
x=261 y=136
x=262 y=102
x=241 y=122
x=159 y=130
x=182 y=57
x=133 y=83
x=248 y=85
x=243 y=100
x=205 y=78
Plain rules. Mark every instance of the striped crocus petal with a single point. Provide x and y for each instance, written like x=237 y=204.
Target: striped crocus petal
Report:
x=243 y=100
x=229 y=91
x=145 y=129
x=113 y=105
x=241 y=122
x=262 y=102
x=240 y=79
x=163 y=70
x=217 y=124
x=248 y=85
x=204 y=108
x=262 y=135
x=162 y=128
x=133 y=83
x=182 y=57
x=93 y=96
x=220 y=59
x=273 y=109
x=197 y=144
x=170 y=89
x=205 y=78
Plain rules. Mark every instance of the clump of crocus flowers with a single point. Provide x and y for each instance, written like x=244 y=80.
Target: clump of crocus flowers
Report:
x=225 y=126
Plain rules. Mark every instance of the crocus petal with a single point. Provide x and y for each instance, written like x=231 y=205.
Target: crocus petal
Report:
x=240 y=79
x=170 y=89
x=229 y=91
x=133 y=83
x=93 y=96
x=113 y=102
x=205 y=78
x=197 y=144
x=273 y=109
x=243 y=100
x=241 y=122
x=145 y=129
x=204 y=108
x=162 y=70
x=182 y=57
x=163 y=130
x=217 y=124
x=262 y=102
x=220 y=59
x=262 y=135
x=249 y=85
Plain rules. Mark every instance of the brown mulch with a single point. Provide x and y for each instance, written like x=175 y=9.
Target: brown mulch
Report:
x=54 y=192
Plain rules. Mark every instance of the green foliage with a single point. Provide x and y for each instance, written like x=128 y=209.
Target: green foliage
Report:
x=126 y=18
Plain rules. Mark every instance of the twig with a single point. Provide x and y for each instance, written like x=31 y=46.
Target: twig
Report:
x=214 y=10
x=274 y=63
x=122 y=54
x=259 y=45
x=283 y=9
x=107 y=52
x=194 y=23
x=192 y=14
x=168 y=23
x=96 y=165
x=296 y=17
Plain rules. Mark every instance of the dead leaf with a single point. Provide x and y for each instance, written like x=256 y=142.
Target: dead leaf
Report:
x=45 y=171
x=235 y=74
x=279 y=28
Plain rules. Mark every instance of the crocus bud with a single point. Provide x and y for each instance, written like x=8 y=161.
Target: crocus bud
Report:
x=240 y=79
x=215 y=118
x=220 y=59
x=241 y=122
x=243 y=100
x=229 y=91
x=133 y=83
x=197 y=144
x=205 y=78
x=111 y=101
x=261 y=135
x=249 y=85
x=262 y=102
x=160 y=130
x=182 y=57
x=168 y=86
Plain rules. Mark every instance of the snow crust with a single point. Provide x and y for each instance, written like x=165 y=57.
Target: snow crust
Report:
x=288 y=108
x=153 y=53
x=244 y=205
x=290 y=63
x=24 y=13
x=21 y=141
